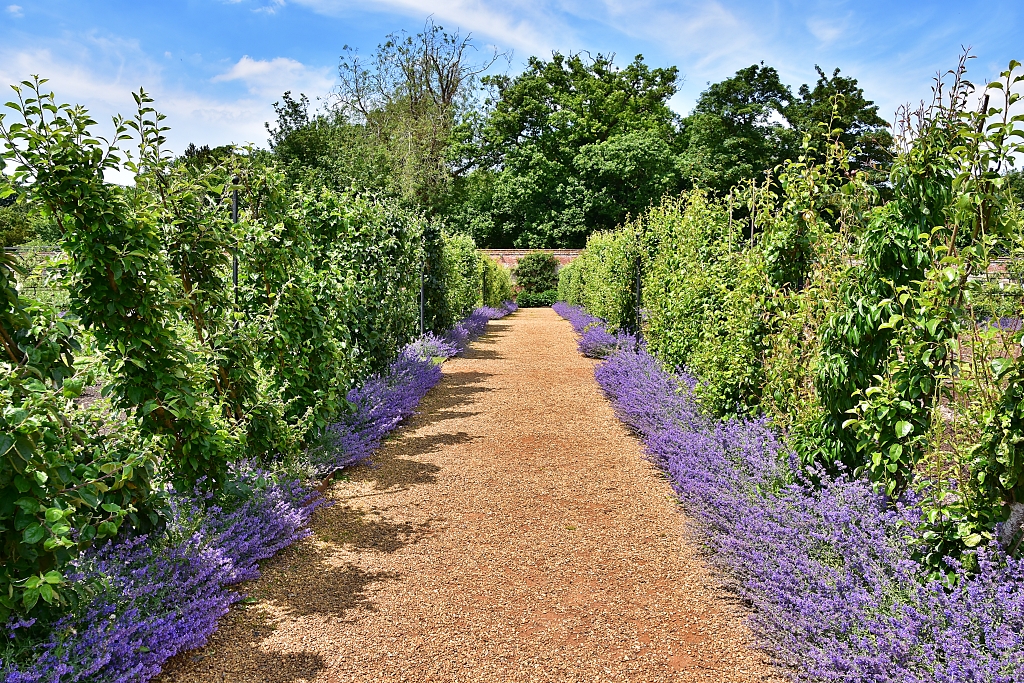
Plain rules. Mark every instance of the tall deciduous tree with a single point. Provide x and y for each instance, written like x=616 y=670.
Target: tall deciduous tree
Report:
x=573 y=144
x=737 y=131
x=409 y=97
x=324 y=147
x=837 y=106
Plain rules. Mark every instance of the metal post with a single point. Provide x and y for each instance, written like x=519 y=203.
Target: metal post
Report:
x=234 y=254
x=730 y=220
x=753 y=210
x=422 y=266
x=639 y=319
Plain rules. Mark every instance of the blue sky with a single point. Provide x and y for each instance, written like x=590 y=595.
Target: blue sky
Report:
x=215 y=66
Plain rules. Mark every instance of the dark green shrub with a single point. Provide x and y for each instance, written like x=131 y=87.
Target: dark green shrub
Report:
x=14 y=226
x=537 y=300
x=496 y=286
x=537 y=272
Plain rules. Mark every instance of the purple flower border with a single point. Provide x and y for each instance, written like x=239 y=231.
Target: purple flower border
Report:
x=595 y=340
x=828 y=566
x=155 y=598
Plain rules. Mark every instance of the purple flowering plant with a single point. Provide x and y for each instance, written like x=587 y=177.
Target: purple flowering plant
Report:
x=826 y=563
x=141 y=599
x=595 y=340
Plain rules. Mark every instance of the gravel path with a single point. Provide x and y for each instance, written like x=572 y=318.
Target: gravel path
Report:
x=511 y=531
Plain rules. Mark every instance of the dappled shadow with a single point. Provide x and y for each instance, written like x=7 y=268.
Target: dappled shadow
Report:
x=358 y=529
x=275 y=667
x=456 y=389
x=328 y=590
x=388 y=472
x=313 y=582
x=482 y=354
x=320 y=588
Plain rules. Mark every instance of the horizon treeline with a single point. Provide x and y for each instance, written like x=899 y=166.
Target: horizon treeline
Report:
x=573 y=144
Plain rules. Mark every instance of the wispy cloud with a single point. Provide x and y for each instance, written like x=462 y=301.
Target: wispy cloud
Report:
x=15 y=10
x=700 y=33
x=270 y=8
x=826 y=30
x=271 y=77
x=102 y=73
x=526 y=25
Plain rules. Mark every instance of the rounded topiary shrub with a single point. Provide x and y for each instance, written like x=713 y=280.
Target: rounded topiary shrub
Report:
x=537 y=272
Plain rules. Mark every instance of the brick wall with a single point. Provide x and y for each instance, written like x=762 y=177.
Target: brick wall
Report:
x=510 y=257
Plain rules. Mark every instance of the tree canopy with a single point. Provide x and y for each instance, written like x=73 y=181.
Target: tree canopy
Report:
x=574 y=144
x=571 y=145
x=737 y=131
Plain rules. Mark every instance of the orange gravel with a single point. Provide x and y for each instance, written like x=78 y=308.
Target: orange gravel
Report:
x=511 y=531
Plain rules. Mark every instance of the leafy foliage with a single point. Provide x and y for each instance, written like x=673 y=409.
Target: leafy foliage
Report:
x=537 y=299
x=837 y=104
x=199 y=372
x=495 y=284
x=846 y=313
x=731 y=136
x=574 y=144
x=537 y=272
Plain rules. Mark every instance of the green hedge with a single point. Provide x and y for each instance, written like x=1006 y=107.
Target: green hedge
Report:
x=536 y=272
x=496 y=282
x=698 y=289
x=856 y=321
x=196 y=374
x=538 y=299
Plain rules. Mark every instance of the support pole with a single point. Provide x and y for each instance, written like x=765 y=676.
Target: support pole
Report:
x=234 y=255
x=730 y=220
x=639 y=318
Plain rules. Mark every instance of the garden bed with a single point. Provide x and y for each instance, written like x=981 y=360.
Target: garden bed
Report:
x=148 y=598
x=829 y=568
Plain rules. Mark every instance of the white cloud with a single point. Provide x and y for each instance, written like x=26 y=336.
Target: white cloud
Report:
x=270 y=78
x=826 y=30
x=102 y=73
x=702 y=33
x=15 y=10
x=525 y=25
x=270 y=8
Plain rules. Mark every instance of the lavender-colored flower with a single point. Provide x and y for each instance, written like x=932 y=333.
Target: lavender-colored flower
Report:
x=148 y=599
x=392 y=396
x=153 y=598
x=827 y=566
x=595 y=340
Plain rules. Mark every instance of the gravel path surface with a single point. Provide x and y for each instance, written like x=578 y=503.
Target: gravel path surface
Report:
x=511 y=531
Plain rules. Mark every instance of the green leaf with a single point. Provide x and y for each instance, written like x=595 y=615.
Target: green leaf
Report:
x=33 y=534
x=903 y=428
x=973 y=540
x=1000 y=366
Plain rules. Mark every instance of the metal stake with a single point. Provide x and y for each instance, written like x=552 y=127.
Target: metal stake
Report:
x=234 y=254
x=638 y=294
x=730 y=220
